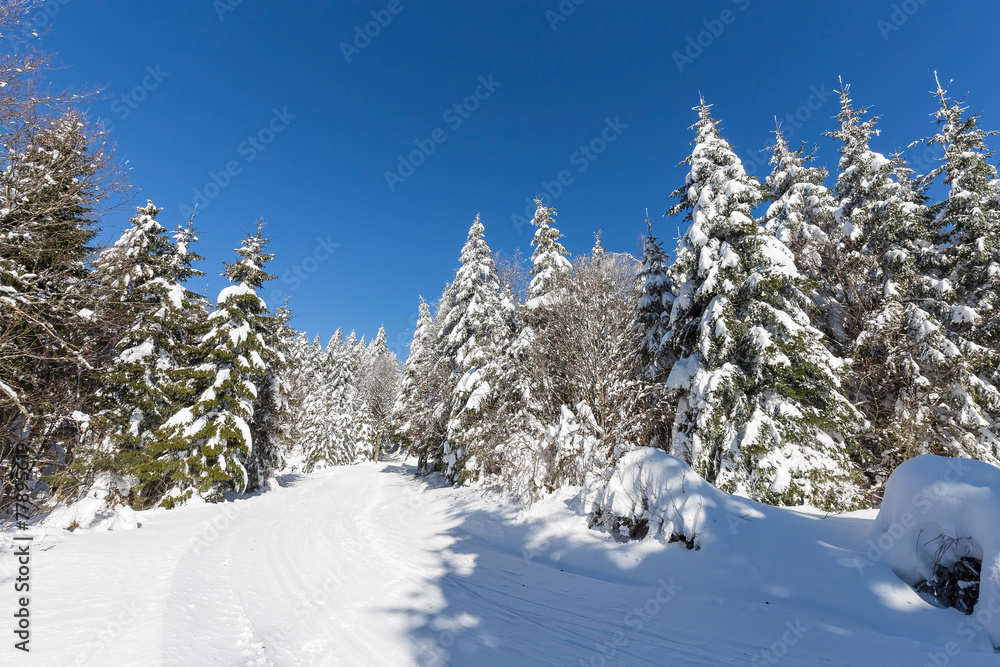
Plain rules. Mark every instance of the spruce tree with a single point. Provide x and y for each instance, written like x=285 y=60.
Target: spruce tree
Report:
x=410 y=413
x=759 y=409
x=548 y=262
x=802 y=211
x=526 y=399
x=206 y=448
x=653 y=316
x=476 y=332
x=913 y=379
x=378 y=390
x=143 y=276
x=969 y=257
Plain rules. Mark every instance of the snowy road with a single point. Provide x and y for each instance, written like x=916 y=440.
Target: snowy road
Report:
x=368 y=565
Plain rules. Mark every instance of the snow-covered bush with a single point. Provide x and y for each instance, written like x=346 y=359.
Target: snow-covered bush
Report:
x=653 y=493
x=939 y=518
x=102 y=508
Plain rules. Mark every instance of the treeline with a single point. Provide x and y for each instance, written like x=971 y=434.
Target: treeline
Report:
x=796 y=356
x=114 y=375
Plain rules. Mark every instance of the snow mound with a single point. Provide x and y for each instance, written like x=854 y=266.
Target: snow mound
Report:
x=653 y=493
x=938 y=515
x=96 y=511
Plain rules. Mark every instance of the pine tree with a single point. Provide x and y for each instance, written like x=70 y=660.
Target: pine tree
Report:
x=206 y=448
x=321 y=419
x=416 y=395
x=802 y=211
x=525 y=399
x=969 y=260
x=759 y=408
x=476 y=332
x=300 y=379
x=379 y=388
x=143 y=384
x=548 y=262
x=914 y=381
x=655 y=301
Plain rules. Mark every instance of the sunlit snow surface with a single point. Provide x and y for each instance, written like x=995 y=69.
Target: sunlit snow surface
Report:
x=369 y=565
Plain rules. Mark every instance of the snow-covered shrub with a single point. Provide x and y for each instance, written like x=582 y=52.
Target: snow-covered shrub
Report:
x=103 y=507
x=653 y=493
x=940 y=518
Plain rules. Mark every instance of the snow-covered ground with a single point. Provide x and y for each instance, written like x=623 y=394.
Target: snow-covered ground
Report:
x=369 y=565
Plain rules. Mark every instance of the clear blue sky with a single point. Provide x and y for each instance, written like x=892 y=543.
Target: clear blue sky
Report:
x=323 y=175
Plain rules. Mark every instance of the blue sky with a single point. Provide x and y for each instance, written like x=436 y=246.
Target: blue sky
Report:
x=301 y=130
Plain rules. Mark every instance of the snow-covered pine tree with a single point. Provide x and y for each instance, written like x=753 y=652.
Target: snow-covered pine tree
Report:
x=410 y=412
x=436 y=411
x=548 y=262
x=759 y=408
x=320 y=420
x=476 y=335
x=913 y=380
x=142 y=277
x=656 y=298
x=271 y=422
x=801 y=213
x=300 y=377
x=525 y=396
x=653 y=354
x=378 y=389
x=206 y=448
x=969 y=257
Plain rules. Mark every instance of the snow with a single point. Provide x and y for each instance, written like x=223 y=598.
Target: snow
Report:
x=137 y=353
x=93 y=513
x=683 y=371
x=963 y=314
x=937 y=510
x=236 y=290
x=369 y=565
x=650 y=485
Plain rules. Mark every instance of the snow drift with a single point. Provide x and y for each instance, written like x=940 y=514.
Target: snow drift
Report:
x=938 y=515
x=651 y=492
x=99 y=510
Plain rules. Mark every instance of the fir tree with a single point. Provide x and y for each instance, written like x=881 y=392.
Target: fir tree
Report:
x=653 y=315
x=914 y=381
x=548 y=262
x=378 y=389
x=802 y=211
x=411 y=411
x=969 y=259
x=207 y=448
x=143 y=384
x=759 y=408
